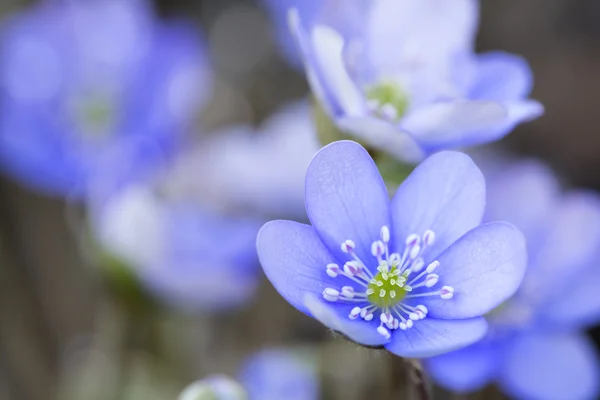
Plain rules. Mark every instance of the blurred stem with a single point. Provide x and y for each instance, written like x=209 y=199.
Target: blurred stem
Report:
x=416 y=381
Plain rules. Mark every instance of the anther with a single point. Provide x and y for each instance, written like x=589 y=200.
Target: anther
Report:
x=382 y=293
x=412 y=240
x=447 y=292
x=377 y=248
x=414 y=252
x=348 y=292
x=348 y=246
x=384 y=332
x=354 y=313
x=433 y=266
x=388 y=111
x=431 y=280
x=385 y=234
x=331 y=294
x=392 y=294
x=351 y=268
x=333 y=270
x=428 y=237
x=417 y=265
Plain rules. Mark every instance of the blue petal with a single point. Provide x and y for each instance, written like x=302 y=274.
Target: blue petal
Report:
x=465 y=370
x=551 y=367
x=382 y=134
x=502 y=77
x=346 y=198
x=430 y=337
x=524 y=194
x=455 y=124
x=294 y=260
x=446 y=194
x=435 y=30
x=485 y=267
x=336 y=318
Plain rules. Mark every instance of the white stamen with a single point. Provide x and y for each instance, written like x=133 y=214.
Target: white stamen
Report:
x=348 y=292
x=385 y=318
x=384 y=332
x=333 y=270
x=414 y=252
x=412 y=240
x=402 y=325
x=377 y=248
x=414 y=316
x=331 y=294
x=388 y=111
x=429 y=237
x=409 y=323
x=422 y=308
x=431 y=280
x=354 y=313
x=447 y=292
x=433 y=266
x=385 y=234
x=351 y=268
x=369 y=316
x=396 y=323
x=372 y=105
x=394 y=259
x=417 y=265
x=348 y=246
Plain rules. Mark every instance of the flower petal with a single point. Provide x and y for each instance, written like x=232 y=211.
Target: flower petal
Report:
x=358 y=331
x=485 y=267
x=454 y=124
x=501 y=77
x=430 y=337
x=553 y=367
x=445 y=193
x=524 y=194
x=294 y=260
x=382 y=135
x=346 y=198
x=429 y=31
x=465 y=370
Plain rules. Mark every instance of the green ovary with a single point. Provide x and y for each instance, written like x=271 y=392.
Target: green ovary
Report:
x=96 y=115
x=389 y=93
x=387 y=289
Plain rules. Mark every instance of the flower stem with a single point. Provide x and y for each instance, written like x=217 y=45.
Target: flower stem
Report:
x=417 y=380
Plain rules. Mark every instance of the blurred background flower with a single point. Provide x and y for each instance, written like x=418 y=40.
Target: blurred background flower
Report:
x=79 y=76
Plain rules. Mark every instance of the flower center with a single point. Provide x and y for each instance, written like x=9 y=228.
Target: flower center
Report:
x=95 y=114
x=388 y=100
x=391 y=291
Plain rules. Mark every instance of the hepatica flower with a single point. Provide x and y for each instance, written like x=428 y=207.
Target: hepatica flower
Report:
x=215 y=387
x=401 y=75
x=534 y=349
x=78 y=77
x=413 y=275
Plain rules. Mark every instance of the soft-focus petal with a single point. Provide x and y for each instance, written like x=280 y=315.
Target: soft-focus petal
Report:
x=430 y=337
x=465 y=370
x=276 y=374
x=523 y=194
x=346 y=198
x=569 y=248
x=541 y=366
x=294 y=259
x=428 y=30
x=382 y=134
x=502 y=77
x=445 y=193
x=330 y=316
x=485 y=267
x=455 y=123
x=328 y=46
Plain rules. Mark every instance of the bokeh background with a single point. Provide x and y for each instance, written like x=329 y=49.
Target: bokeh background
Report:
x=58 y=316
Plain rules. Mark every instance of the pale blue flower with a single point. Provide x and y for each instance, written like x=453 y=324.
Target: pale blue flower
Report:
x=402 y=75
x=413 y=274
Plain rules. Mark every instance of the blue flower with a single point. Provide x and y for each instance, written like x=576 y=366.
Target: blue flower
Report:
x=402 y=76
x=275 y=374
x=413 y=275
x=534 y=349
x=187 y=254
x=78 y=77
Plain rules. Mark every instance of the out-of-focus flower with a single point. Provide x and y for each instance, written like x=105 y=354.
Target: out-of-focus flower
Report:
x=276 y=374
x=258 y=170
x=186 y=253
x=401 y=75
x=77 y=77
x=413 y=275
x=217 y=387
x=534 y=349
